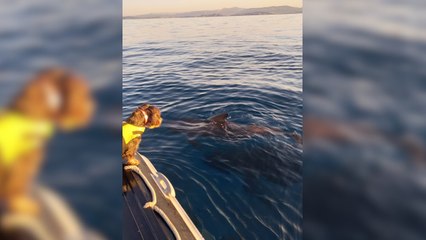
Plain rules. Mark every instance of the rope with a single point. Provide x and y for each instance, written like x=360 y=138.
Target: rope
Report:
x=151 y=189
x=169 y=223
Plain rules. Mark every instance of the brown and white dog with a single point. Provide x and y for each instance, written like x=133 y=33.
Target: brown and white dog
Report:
x=145 y=116
x=54 y=98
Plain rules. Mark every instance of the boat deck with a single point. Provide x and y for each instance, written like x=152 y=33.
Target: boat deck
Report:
x=151 y=210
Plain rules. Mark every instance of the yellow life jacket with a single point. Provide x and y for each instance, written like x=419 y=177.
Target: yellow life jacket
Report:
x=20 y=135
x=131 y=132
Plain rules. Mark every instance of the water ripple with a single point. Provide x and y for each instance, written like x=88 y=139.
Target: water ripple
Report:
x=245 y=187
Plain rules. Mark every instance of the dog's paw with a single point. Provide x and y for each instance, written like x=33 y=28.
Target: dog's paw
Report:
x=24 y=205
x=133 y=162
x=125 y=188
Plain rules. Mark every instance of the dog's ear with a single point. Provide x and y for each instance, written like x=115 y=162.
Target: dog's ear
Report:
x=154 y=117
x=41 y=96
x=77 y=103
x=137 y=118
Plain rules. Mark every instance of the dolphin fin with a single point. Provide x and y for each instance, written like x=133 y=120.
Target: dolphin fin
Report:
x=220 y=118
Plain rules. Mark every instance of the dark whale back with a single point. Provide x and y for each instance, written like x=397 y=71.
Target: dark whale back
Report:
x=220 y=118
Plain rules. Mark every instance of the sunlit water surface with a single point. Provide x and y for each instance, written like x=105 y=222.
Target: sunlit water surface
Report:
x=250 y=67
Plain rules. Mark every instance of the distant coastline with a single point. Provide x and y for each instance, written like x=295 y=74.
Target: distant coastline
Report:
x=225 y=12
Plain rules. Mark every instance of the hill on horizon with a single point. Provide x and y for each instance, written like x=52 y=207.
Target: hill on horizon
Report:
x=235 y=11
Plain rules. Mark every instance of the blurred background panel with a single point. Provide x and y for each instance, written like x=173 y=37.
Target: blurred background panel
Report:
x=84 y=36
x=364 y=119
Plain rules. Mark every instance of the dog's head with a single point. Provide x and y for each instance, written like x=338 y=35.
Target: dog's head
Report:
x=146 y=116
x=56 y=95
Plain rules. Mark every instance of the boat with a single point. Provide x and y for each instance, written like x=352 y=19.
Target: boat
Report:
x=151 y=210
x=56 y=221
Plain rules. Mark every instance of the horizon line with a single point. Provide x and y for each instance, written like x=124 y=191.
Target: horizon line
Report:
x=141 y=14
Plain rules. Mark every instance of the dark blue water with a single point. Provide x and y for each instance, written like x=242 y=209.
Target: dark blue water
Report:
x=250 y=67
x=364 y=67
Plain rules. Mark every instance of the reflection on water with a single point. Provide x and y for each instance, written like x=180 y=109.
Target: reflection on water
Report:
x=364 y=74
x=250 y=67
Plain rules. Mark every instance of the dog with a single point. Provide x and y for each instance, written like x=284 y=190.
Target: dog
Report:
x=55 y=98
x=145 y=116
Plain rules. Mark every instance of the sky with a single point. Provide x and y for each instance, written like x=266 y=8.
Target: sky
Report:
x=136 y=7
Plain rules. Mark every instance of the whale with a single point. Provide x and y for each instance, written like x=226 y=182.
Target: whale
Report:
x=220 y=126
x=228 y=151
